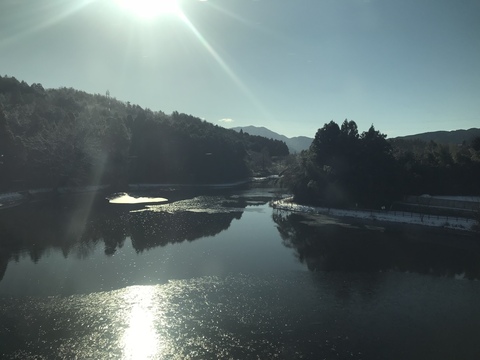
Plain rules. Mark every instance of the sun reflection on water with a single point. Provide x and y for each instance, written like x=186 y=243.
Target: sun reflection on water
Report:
x=141 y=339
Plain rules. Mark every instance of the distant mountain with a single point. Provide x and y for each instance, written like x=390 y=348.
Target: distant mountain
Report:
x=445 y=137
x=298 y=143
x=295 y=144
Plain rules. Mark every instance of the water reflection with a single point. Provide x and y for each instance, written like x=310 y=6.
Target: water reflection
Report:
x=76 y=225
x=140 y=340
x=240 y=317
x=362 y=310
x=326 y=244
x=3 y=263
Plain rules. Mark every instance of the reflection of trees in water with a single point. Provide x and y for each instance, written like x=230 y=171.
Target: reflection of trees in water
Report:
x=108 y=226
x=77 y=227
x=33 y=228
x=359 y=249
x=150 y=230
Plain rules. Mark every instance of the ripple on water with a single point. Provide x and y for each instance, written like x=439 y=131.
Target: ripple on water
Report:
x=200 y=318
x=199 y=204
x=299 y=316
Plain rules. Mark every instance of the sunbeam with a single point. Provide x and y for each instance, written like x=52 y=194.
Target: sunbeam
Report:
x=246 y=91
x=62 y=15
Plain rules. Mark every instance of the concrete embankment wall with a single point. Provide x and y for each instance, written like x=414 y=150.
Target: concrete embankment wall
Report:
x=449 y=222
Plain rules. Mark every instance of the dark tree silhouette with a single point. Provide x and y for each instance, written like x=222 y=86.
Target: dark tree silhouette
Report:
x=343 y=168
x=65 y=137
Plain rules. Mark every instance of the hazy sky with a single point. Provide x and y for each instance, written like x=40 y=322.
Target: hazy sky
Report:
x=406 y=66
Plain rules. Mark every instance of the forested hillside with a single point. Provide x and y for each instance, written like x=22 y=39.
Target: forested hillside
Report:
x=66 y=137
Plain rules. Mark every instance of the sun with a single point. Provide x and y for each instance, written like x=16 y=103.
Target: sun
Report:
x=150 y=8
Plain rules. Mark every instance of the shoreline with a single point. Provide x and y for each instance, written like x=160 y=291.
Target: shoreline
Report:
x=402 y=217
x=14 y=198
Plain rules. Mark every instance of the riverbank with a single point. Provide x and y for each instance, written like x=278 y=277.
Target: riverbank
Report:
x=234 y=184
x=144 y=187
x=447 y=222
x=11 y=199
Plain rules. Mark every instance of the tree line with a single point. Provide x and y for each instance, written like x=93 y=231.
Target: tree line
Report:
x=343 y=168
x=65 y=137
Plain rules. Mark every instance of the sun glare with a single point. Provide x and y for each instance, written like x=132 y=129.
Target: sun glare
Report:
x=141 y=339
x=150 y=8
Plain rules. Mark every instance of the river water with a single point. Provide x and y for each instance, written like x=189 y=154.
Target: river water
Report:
x=221 y=274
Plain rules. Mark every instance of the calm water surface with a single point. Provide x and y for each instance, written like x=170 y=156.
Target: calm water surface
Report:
x=223 y=275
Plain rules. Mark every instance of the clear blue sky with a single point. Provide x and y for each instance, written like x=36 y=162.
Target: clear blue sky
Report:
x=406 y=66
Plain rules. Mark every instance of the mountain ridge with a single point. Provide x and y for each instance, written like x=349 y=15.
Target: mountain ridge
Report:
x=298 y=143
x=444 y=136
x=295 y=144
